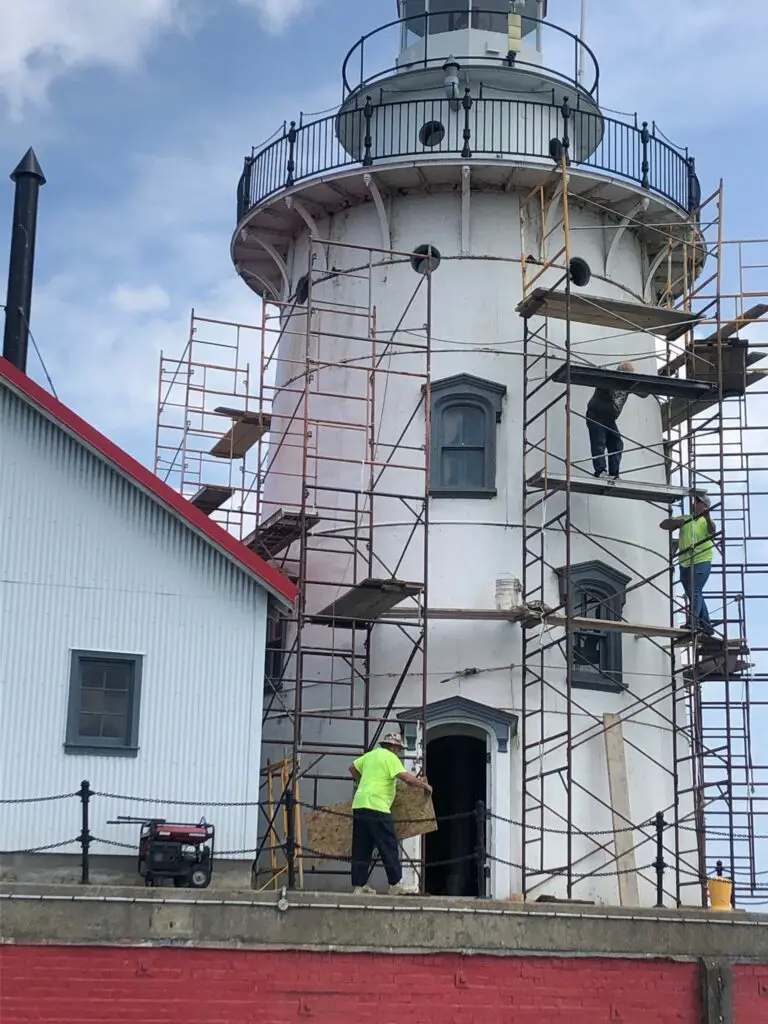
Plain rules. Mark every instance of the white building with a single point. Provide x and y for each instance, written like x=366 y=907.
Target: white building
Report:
x=132 y=639
x=440 y=153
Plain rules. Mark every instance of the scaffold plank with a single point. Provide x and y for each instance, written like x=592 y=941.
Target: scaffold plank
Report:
x=367 y=602
x=280 y=531
x=578 y=623
x=677 y=411
x=532 y=619
x=641 y=384
x=467 y=614
x=727 y=330
x=247 y=429
x=641 y=490
x=211 y=497
x=612 y=313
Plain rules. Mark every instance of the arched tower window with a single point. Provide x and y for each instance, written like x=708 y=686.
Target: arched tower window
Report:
x=595 y=591
x=465 y=412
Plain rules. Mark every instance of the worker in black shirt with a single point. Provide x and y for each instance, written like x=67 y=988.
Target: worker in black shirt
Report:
x=603 y=411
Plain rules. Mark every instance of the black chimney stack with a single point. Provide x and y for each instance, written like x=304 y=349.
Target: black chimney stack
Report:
x=28 y=177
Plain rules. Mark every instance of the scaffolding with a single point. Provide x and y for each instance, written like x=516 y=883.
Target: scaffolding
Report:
x=284 y=435
x=703 y=691
x=289 y=437
x=724 y=442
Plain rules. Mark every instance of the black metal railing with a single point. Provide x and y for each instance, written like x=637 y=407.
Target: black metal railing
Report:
x=358 y=67
x=478 y=857
x=469 y=128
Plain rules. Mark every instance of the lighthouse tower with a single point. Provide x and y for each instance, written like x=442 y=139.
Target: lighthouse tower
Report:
x=458 y=258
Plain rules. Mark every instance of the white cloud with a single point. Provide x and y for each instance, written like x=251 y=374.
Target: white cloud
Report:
x=42 y=40
x=276 y=15
x=150 y=299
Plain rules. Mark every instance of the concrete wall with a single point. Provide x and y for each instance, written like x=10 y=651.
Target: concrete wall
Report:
x=89 y=562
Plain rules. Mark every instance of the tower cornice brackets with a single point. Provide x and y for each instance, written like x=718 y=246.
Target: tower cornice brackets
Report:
x=294 y=203
x=640 y=207
x=466 y=196
x=244 y=272
x=662 y=255
x=553 y=214
x=252 y=236
x=373 y=188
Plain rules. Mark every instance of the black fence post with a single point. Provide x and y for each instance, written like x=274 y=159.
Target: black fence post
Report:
x=85 y=794
x=466 y=152
x=659 y=862
x=292 y=136
x=480 y=851
x=565 y=110
x=290 y=835
x=244 y=189
x=645 y=138
x=694 y=186
x=368 y=141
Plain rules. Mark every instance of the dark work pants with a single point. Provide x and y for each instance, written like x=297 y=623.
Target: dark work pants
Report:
x=373 y=829
x=604 y=436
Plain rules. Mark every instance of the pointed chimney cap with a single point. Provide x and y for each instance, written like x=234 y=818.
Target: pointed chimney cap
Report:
x=29 y=168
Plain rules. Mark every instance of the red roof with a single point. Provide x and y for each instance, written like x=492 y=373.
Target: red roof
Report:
x=275 y=582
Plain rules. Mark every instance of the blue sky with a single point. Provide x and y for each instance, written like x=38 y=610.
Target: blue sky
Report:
x=141 y=112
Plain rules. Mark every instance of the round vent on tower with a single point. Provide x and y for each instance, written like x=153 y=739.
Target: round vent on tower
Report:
x=425 y=258
x=579 y=272
x=431 y=134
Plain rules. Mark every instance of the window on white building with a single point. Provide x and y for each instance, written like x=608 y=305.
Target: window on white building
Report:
x=104 y=704
x=596 y=591
x=465 y=413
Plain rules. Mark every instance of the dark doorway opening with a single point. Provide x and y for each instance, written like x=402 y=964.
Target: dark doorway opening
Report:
x=456 y=769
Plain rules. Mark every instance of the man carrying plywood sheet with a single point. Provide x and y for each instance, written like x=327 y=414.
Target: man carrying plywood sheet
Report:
x=376 y=774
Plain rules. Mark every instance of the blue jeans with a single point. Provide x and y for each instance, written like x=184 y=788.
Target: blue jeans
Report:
x=604 y=435
x=694 y=578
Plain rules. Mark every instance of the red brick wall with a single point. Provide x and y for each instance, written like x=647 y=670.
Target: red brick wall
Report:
x=750 y=997
x=69 y=985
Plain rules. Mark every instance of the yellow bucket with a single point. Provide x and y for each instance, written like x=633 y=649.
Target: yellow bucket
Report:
x=720 y=893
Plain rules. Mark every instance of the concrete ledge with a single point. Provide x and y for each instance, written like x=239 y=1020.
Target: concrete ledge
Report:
x=82 y=915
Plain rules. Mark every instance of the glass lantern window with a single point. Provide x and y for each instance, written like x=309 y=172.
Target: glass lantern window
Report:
x=439 y=16
x=491 y=15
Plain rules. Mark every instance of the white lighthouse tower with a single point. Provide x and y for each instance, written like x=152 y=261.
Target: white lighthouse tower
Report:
x=458 y=258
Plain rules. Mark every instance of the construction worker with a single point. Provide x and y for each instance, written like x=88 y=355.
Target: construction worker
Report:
x=603 y=411
x=375 y=775
x=697 y=546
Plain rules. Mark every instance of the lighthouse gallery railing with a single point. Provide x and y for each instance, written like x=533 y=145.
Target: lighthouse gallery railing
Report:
x=377 y=133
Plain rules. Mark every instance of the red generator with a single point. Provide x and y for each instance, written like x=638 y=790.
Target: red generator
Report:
x=181 y=853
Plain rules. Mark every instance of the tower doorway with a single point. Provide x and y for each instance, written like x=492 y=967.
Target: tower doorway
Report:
x=457 y=768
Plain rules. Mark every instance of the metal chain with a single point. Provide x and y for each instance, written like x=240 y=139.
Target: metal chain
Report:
x=39 y=799
x=178 y=803
x=40 y=849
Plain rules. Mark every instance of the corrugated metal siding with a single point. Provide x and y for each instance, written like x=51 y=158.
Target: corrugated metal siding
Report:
x=87 y=561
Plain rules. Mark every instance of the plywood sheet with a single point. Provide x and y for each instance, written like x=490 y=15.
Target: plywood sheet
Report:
x=328 y=830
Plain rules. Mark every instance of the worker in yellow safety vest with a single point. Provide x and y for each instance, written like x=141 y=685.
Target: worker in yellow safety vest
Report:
x=375 y=775
x=697 y=548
